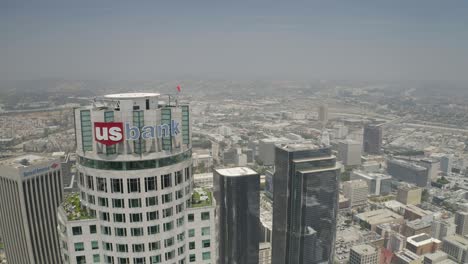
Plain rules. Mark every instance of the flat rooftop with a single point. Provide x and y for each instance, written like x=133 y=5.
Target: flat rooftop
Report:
x=407 y=164
x=419 y=211
x=24 y=161
x=237 y=171
x=299 y=146
x=379 y=216
x=421 y=239
x=418 y=224
x=130 y=95
x=364 y=249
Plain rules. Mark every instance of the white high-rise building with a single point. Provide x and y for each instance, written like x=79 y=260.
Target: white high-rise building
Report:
x=356 y=191
x=349 y=151
x=443 y=228
x=134 y=170
x=31 y=189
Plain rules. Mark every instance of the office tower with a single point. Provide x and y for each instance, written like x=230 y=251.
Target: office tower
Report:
x=201 y=228
x=446 y=164
x=364 y=254
x=438 y=257
x=396 y=242
x=461 y=220
x=422 y=244
x=407 y=257
x=372 y=139
x=340 y=131
x=356 y=191
x=442 y=228
x=305 y=202
x=432 y=167
x=456 y=247
x=349 y=151
x=408 y=172
x=408 y=194
x=237 y=195
x=323 y=114
x=31 y=189
x=379 y=184
x=135 y=179
x=266 y=149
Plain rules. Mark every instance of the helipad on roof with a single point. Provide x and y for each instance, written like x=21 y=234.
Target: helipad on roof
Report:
x=130 y=95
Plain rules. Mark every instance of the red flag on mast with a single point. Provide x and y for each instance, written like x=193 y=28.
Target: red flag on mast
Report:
x=178 y=88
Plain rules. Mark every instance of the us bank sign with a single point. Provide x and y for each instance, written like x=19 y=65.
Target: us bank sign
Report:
x=111 y=133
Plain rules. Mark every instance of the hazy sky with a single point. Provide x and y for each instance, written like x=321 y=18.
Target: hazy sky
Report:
x=144 y=40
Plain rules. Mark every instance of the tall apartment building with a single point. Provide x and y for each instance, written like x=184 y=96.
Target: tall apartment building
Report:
x=134 y=170
x=349 y=152
x=31 y=189
x=408 y=172
x=443 y=228
x=356 y=191
x=266 y=149
x=364 y=254
x=372 y=139
x=408 y=194
x=461 y=220
x=323 y=114
x=446 y=164
x=305 y=204
x=379 y=184
x=237 y=195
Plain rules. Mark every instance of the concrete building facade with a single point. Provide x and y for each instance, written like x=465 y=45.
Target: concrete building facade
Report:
x=31 y=189
x=407 y=194
x=356 y=191
x=135 y=177
x=349 y=152
x=364 y=254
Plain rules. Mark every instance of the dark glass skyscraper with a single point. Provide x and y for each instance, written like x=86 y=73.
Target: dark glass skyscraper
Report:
x=305 y=202
x=372 y=139
x=236 y=191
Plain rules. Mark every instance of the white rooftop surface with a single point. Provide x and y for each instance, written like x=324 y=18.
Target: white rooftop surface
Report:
x=32 y=160
x=299 y=146
x=237 y=171
x=130 y=95
x=421 y=239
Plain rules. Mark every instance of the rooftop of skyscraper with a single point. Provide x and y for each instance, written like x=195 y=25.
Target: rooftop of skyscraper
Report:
x=364 y=249
x=300 y=146
x=24 y=161
x=421 y=239
x=237 y=171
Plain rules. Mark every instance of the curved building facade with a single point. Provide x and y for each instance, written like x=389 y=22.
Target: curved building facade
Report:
x=134 y=174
